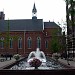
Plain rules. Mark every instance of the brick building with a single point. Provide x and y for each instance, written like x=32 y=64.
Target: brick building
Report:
x=32 y=33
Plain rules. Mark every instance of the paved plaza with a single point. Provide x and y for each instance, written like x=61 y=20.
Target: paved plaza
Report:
x=68 y=62
x=6 y=62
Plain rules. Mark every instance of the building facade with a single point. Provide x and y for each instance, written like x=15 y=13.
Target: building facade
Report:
x=27 y=34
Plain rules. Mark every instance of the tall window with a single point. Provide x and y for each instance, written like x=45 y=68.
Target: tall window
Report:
x=20 y=42
x=29 y=42
x=46 y=44
x=2 y=43
x=38 y=42
x=11 y=43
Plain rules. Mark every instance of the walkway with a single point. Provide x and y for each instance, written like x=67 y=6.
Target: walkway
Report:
x=6 y=63
x=68 y=63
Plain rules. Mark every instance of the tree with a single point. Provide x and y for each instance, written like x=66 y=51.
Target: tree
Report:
x=7 y=38
x=6 y=41
x=55 y=42
x=70 y=18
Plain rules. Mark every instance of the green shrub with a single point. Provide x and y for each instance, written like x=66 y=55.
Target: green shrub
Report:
x=17 y=56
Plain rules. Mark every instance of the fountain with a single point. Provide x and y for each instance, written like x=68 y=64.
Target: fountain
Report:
x=34 y=58
x=37 y=58
x=37 y=54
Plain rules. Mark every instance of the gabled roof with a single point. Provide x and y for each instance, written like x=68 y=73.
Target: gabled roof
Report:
x=22 y=25
x=50 y=25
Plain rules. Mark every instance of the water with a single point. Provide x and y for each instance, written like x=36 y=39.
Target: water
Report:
x=37 y=54
x=50 y=64
x=47 y=63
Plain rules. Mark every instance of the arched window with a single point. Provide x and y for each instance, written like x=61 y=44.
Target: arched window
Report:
x=20 y=42
x=11 y=43
x=38 y=42
x=2 y=43
x=29 y=42
x=46 y=44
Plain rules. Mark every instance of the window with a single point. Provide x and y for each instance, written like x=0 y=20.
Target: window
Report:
x=38 y=42
x=29 y=42
x=11 y=43
x=46 y=44
x=2 y=43
x=20 y=42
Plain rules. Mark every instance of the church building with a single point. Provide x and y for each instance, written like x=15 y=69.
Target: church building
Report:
x=29 y=34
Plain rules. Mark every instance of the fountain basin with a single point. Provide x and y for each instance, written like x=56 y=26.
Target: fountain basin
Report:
x=42 y=60
x=47 y=63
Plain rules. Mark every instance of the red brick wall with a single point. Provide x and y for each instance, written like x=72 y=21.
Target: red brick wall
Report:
x=15 y=43
x=33 y=35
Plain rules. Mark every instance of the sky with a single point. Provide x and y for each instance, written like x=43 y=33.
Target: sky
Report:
x=53 y=10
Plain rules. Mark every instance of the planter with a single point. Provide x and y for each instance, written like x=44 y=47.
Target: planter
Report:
x=17 y=56
x=55 y=56
x=35 y=63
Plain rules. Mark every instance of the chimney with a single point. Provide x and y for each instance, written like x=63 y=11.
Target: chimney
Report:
x=2 y=16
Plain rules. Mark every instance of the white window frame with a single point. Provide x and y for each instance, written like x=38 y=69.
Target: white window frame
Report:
x=2 y=43
x=11 y=43
x=46 y=44
x=20 y=43
x=29 y=42
x=38 y=42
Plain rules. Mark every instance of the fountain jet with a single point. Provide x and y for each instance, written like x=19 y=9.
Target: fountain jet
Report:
x=37 y=54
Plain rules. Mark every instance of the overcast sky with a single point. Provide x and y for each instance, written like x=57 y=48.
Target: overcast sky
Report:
x=22 y=9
